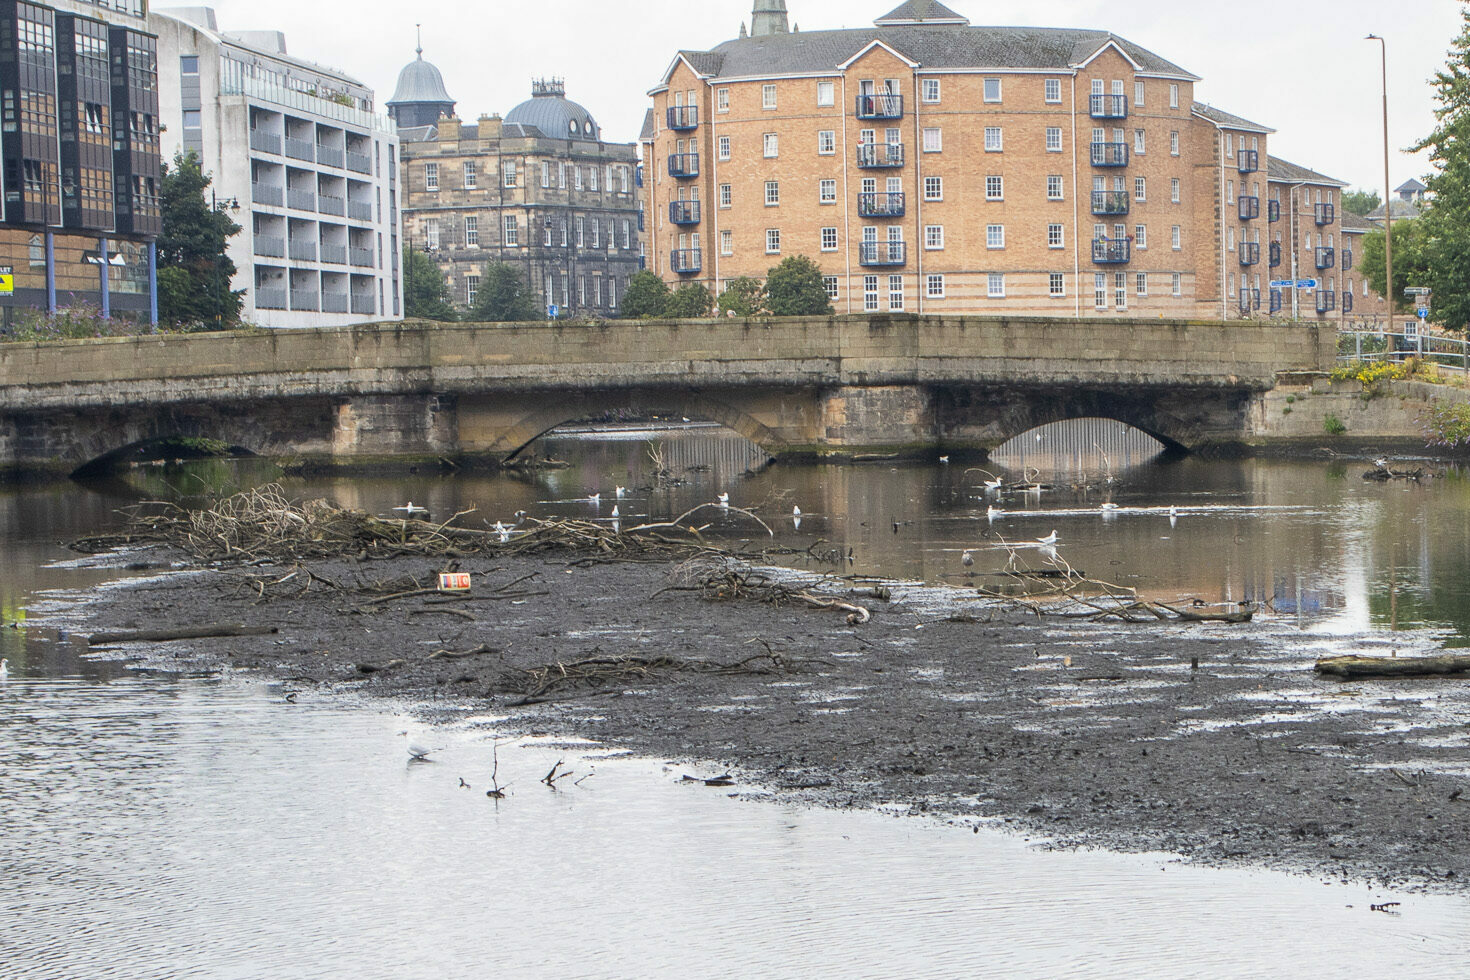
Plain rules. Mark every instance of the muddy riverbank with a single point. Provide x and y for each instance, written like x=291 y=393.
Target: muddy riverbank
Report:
x=1082 y=733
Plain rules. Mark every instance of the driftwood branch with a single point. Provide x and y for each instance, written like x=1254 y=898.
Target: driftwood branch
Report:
x=184 y=633
x=1355 y=667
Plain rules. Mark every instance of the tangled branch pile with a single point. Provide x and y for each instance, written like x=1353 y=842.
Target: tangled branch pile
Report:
x=720 y=578
x=536 y=683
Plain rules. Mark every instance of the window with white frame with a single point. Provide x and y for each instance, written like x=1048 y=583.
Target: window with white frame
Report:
x=931 y=90
x=768 y=96
x=1173 y=96
x=995 y=285
x=829 y=239
x=581 y=232
x=1140 y=189
x=827 y=191
x=1138 y=93
x=725 y=195
x=870 y=293
x=826 y=94
x=1140 y=236
x=933 y=139
x=829 y=286
x=561 y=176
x=1229 y=192
x=722 y=100
x=1176 y=284
x=431 y=176
x=934 y=286
x=1100 y=290
x=511 y=178
x=1230 y=146
x=827 y=142
x=592 y=174
x=895 y=292
x=993 y=143
x=1176 y=237
x=627 y=233
x=727 y=242
x=1055 y=236
x=1140 y=284
x=1054 y=187
x=1053 y=139
x=1056 y=284
x=769 y=145
x=995 y=188
x=773 y=241
x=1052 y=90
x=576 y=178
x=471 y=288
x=933 y=237
x=545 y=173
x=1174 y=143
x=1120 y=290
x=995 y=236
x=933 y=188
x=596 y=233
x=722 y=148
x=1173 y=190
x=1139 y=142
x=773 y=193
x=472 y=231
x=992 y=90
x=431 y=233
x=471 y=176
x=512 y=232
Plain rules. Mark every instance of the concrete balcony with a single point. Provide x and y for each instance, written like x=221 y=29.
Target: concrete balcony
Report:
x=360 y=210
x=364 y=303
x=265 y=142
x=361 y=163
x=331 y=204
x=335 y=254
x=360 y=257
x=330 y=156
x=300 y=149
x=273 y=246
x=334 y=302
x=267 y=194
x=270 y=298
x=303 y=250
x=306 y=300
x=301 y=198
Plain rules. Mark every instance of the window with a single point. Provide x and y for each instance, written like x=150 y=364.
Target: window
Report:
x=933 y=188
x=1176 y=237
x=1140 y=189
x=992 y=139
x=1173 y=96
x=188 y=64
x=431 y=233
x=1054 y=187
x=431 y=176
x=1120 y=290
x=727 y=242
x=1100 y=290
x=1056 y=284
x=895 y=292
x=471 y=176
x=592 y=175
x=1053 y=139
x=1054 y=236
x=577 y=177
x=1176 y=284
x=545 y=173
x=995 y=236
x=1140 y=284
x=992 y=90
x=510 y=173
x=1139 y=141
x=1229 y=192
x=1138 y=93
x=773 y=193
x=512 y=232
x=827 y=142
x=1140 y=236
x=934 y=237
x=931 y=90
x=773 y=241
x=581 y=232
x=1174 y=143
x=995 y=285
x=770 y=145
x=829 y=286
x=472 y=231
x=826 y=93
x=596 y=233
x=933 y=139
x=725 y=198
x=1173 y=190
x=870 y=292
x=829 y=239
x=994 y=188
x=722 y=100
x=723 y=148
x=1230 y=146
x=471 y=288
x=827 y=192
x=768 y=96
x=934 y=287
x=1053 y=89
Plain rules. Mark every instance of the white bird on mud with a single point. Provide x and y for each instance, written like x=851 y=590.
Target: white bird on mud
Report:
x=1049 y=540
x=417 y=752
x=596 y=498
x=992 y=485
x=991 y=513
x=4 y=669
x=724 y=499
x=411 y=509
x=615 y=510
x=967 y=559
x=795 y=511
x=944 y=459
x=619 y=491
x=1108 y=507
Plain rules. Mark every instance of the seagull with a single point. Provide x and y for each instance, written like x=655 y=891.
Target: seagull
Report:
x=416 y=751
x=619 y=491
x=795 y=511
x=4 y=669
x=615 y=510
x=596 y=498
x=411 y=509
x=991 y=513
x=1049 y=540
x=1108 y=506
x=991 y=485
x=1381 y=462
x=724 y=499
x=944 y=459
x=967 y=559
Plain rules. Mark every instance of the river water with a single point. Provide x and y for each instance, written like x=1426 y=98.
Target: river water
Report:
x=206 y=827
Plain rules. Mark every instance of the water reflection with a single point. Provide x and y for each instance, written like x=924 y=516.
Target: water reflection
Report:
x=1077 y=450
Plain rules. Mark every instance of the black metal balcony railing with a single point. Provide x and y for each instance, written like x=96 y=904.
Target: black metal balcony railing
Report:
x=685 y=261
x=1326 y=214
x=1347 y=302
x=1326 y=258
x=1109 y=107
x=1326 y=300
x=1275 y=253
x=682 y=117
x=1110 y=154
x=1247 y=162
x=1250 y=253
x=684 y=165
x=684 y=212
x=1250 y=299
x=874 y=156
x=1275 y=301
x=881 y=205
x=1248 y=206
x=1273 y=210
x=1347 y=260
x=1111 y=251
x=880 y=106
x=1109 y=202
x=882 y=253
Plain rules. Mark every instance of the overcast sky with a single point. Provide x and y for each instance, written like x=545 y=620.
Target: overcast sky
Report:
x=1298 y=66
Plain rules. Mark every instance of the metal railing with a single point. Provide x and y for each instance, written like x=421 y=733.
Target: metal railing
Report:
x=1385 y=345
x=1247 y=161
x=1111 y=251
x=361 y=257
x=265 y=142
x=363 y=303
x=301 y=198
x=270 y=245
x=685 y=260
x=871 y=156
x=1108 y=107
x=267 y=194
x=880 y=105
x=335 y=254
x=359 y=162
x=300 y=149
x=304 y=300
x=881 y=205
x=303 y=251
x=329 y=156
x=360 y=210
x=1110 y=154
x=1248 y=207
x=268 y=298
x=683 y=117
x=1250 y=253
x=882 y=253
x=1110 y=202
x=684 y=212
x=334 y=302
x=684 y=165
x=331 y=204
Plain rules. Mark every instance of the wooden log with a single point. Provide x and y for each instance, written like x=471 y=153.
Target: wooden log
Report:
x=1355 y=667
x=183 y=633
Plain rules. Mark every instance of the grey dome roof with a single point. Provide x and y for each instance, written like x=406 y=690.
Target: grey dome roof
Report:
x=420 y=81
x=550 y=111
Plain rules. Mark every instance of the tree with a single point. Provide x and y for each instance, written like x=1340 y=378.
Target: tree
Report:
x=503 y=297
x=1410 y=260
x=425 y=294
x=1360 y=202
x=194 y=272
x=1446 y=220
x=690 y=301
x=646 y=295
x=743 y=296
x=795 y=288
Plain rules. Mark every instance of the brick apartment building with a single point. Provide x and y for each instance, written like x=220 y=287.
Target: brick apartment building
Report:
x=931 y=166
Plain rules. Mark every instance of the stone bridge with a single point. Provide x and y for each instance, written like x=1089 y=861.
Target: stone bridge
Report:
x=824 y=386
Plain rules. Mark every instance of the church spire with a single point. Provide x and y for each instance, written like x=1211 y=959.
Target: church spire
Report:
x=768 y=17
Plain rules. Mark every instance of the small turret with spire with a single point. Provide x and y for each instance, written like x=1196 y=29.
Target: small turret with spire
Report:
x=768 y=17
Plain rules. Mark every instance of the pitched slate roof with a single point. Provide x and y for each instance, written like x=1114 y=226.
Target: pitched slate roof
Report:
x=1290 y=173
x=1228 y=120
x=649 y=130
x=1402 y=211
x=921 y=11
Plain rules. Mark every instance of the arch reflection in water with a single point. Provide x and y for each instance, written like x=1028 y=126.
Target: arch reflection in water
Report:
x=1079 y=447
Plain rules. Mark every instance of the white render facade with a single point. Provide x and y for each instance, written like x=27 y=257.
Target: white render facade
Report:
x=306 y=167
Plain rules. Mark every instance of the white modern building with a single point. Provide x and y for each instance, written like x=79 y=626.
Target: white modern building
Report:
x=301 y=160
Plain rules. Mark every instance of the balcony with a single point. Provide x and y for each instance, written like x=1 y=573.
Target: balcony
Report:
x=363 y=303
x=1273 y=210
x=300 y=149
x=1248 y=207
x=334 y=302
x=1326 y=300
x=273 y=246
x=1247 y=162
x=890 y=205
x=360 y=210
x=307 y=300
x=879 y=156
x=1110 y=154
x=685 y=261
x=1275 y=301
x=1347 y=261
x=684 y=165
x=361 y=257
x=1347 y=302
x=1250 y=299
x=265 y=142
x=1275 y=254
x=268 y=298
x=361 y=163
x=303 y=251
x=334 y=254
x=1326 y=258
x=1109 y=202
x=683 y=117
x=329 y=156
x=882 y=253
x=684 y=212
x=267 y=194
x=1250 y=253
x=1111 y=251
x=1326 y=214
x=301 y=198
x=331 y=204
x=1108 y=107
x=880 y=106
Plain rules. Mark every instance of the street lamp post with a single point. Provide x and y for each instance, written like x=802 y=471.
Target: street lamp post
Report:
x=1387 y=201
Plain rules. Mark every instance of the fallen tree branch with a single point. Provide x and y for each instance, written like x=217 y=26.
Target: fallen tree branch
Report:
x=182 y=633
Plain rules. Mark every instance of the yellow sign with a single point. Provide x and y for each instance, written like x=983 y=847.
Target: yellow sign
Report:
x=7 y=280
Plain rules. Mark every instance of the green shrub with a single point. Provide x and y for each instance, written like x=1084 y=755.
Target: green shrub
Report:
x=1333 y=425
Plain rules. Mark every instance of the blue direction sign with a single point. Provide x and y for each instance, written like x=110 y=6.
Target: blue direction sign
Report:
x=552 y=310
x=1281 y=283
x=1423 y=312
x=1306 y=284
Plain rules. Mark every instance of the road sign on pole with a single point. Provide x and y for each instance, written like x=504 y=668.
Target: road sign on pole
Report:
x=1281 y=283
x=1306 y=284
x=1422 y=312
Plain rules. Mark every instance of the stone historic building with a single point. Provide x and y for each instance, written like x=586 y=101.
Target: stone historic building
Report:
x=932 y=166
x=540 y=190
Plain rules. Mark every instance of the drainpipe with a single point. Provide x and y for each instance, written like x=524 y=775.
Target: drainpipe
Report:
x=846 y=212
x=918 y=199
x=50 y=272
x=1076 y=228
x=102 y=272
